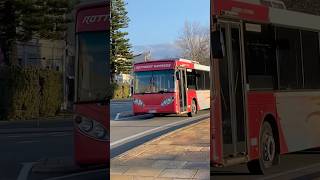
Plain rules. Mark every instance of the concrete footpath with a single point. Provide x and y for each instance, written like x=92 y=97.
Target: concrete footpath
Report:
x=181 y=154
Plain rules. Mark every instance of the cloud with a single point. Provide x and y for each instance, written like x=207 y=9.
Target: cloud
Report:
x=159 y=51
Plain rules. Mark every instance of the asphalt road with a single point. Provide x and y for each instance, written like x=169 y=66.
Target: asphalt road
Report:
x=19 y=150
x=129 y=133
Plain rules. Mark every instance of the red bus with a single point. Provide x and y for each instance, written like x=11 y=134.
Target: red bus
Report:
x=171 y=86
x=91 y=133
x=266 y=88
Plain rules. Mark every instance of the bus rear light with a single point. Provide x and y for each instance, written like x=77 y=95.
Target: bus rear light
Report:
x=138 y=102
x=167 y=101
x=91 y=128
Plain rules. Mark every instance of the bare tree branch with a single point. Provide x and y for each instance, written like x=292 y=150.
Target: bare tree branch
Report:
x=194 y=42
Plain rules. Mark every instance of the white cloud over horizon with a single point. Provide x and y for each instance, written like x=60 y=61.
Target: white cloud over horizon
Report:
x=159 y=51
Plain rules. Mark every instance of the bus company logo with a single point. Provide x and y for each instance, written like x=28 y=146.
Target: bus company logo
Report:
x=95 y=19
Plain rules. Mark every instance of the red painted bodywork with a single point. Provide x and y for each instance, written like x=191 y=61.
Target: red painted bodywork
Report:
x=261 y=104
x=88 y=150
x=152 y=102
x=93 y=17
x=243 y=10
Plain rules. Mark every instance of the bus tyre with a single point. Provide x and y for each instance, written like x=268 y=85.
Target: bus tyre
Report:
x=268 y=151
x=194 y=109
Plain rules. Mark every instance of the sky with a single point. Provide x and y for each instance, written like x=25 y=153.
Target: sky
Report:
x=157 y=23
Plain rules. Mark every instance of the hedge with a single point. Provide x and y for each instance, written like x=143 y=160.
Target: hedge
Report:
x=28 y=93
x=120 y=91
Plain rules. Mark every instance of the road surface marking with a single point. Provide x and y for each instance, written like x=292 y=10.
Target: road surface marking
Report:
x=76 y=174
x=290 y=172
x=154 y=129
x=24 y=173
x=117 y=116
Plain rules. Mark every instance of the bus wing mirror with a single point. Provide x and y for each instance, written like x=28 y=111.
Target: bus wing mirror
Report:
x=177 y=75
x=216 y=45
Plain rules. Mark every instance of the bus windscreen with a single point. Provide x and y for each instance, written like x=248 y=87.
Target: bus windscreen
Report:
x=154 y=82
x=92 y=69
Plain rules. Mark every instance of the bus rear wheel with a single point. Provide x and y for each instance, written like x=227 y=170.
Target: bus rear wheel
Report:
x=268 y=151
x=194 y=109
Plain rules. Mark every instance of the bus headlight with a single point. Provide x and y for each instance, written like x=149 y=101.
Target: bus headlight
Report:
x=91 y=128
x=138 y=102
x=86 y=125
x=167 y=101
x=99 y=132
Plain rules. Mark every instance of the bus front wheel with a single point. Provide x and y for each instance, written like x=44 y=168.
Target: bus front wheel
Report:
x=268 y=151
x=194 y=109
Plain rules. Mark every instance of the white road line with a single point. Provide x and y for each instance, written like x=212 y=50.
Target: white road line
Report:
x=76 y=174
x=290 y=172
x=24 y=172
x=155 y=129
x=117 y=116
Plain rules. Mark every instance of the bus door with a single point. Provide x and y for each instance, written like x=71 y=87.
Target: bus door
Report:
x=182 y=83
x=232 y=94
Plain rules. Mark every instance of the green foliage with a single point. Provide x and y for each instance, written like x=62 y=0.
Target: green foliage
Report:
x=50 y=92
x=120 y=91
x=120 y=47
x=22 y=20
x=29 y=93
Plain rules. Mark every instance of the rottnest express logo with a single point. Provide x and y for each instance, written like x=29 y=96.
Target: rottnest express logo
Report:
x=95 y=19
x=153 y=66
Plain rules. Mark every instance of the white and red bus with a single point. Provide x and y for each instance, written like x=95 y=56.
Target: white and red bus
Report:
x=266 y=88
x=171 y=86
x=91 y=133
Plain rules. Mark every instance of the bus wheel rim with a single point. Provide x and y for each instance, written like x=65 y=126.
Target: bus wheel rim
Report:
x=268 y=150
x=194 y=109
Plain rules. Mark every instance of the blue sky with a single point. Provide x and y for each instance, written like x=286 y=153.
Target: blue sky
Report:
x=155 y=22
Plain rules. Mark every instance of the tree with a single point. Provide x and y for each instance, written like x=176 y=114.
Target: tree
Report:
x=195 y=42
x=121 y=56
x=23 y=20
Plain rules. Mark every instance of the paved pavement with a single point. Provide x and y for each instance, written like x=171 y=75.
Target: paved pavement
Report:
x=131 y=133
x=181 y=154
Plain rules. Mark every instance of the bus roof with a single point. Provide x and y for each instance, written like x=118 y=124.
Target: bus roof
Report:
x=254 y=11
x=162 y=64
x=170 y=59
x=294 y=19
